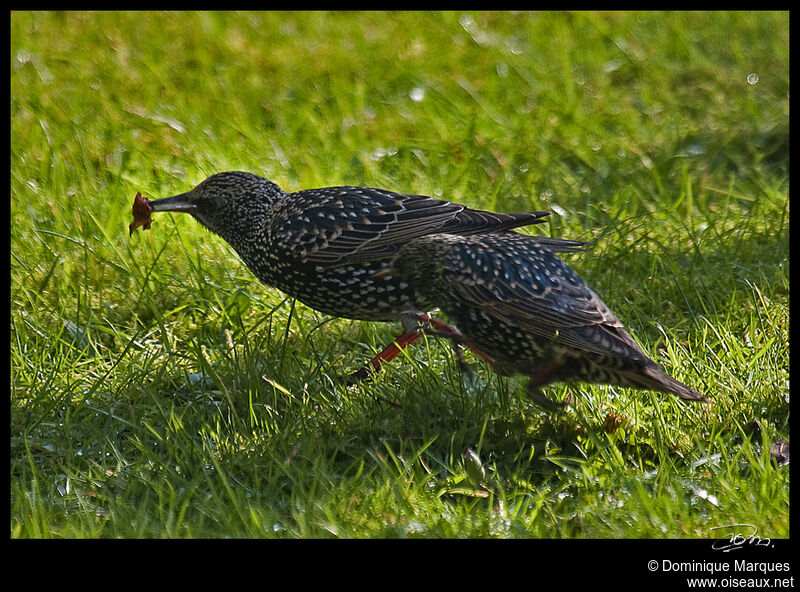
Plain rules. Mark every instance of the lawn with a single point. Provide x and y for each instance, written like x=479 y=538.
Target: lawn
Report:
x=157 y=389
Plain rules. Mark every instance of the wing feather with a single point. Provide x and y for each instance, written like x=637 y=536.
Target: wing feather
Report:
x=536 y=291
x=338 y=224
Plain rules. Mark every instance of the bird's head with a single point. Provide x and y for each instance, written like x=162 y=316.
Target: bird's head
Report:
x=228 y=203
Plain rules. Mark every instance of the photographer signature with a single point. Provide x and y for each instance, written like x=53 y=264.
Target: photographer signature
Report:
x=739 y=535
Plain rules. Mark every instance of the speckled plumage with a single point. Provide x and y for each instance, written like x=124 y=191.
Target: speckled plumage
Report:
x=328 y=247
x=323 y=246
x=521 y=305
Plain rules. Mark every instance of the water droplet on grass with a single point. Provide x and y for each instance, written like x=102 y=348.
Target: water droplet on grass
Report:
x=23 y=56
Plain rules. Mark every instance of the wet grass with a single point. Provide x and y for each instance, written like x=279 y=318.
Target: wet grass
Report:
x=158 y=390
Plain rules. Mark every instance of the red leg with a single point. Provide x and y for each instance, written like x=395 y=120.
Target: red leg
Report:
x=414 y=323
x=388 y=354
x=442 y=329
x=391 y=351
x=541 y=377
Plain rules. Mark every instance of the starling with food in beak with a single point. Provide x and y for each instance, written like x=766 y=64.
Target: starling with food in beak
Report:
x=325 y=246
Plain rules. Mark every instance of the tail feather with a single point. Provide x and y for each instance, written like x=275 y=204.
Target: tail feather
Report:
x=656 y=379
x=561 y=245
x=470 y=222
x=478 y=222
x=510 y=221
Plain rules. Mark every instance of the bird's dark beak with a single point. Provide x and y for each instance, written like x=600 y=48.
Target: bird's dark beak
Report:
x=176 y=203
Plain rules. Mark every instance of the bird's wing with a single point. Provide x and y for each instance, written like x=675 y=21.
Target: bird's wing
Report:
x=335 y=224
x=531 y=288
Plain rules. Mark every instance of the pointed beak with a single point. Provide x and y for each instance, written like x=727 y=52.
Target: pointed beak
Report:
x=176 y=203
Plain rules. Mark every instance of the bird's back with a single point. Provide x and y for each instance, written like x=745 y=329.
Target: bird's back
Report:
x=325 y=245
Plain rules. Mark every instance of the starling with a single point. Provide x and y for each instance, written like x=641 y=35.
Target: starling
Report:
x=528 y=312
x=324 y=246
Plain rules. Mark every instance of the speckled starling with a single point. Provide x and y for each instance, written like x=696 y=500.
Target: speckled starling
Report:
x=528 y=312
x=324 y=246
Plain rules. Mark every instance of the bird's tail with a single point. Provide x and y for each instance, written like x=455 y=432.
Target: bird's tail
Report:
x=470 y=222
x=509 y=221
x=561 y=245
x=654 y=378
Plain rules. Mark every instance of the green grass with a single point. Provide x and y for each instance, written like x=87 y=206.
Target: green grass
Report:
x=158 y=390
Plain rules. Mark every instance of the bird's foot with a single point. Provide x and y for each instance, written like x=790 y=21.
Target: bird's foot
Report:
x=538 y=397
x=388 y=353
x=363 y=373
